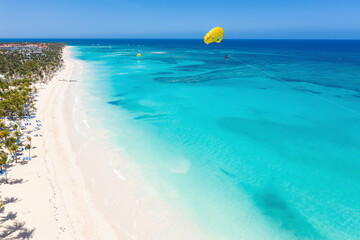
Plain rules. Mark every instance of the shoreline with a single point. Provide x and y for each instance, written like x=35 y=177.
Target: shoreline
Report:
x=72 y=189
x=50 y=200
x=129 y=203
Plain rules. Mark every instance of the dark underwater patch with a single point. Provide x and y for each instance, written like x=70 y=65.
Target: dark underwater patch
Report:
x=319 y=83
x=131 y=105
x=150 y=117
x=192 y=68
x=162 y=73
x=118 y=95
x=227 y=173
x=164 y=60
x=284 y=79
x=203 y=77
x=306 y=90
x=116 y=102
x=281 y=213
x=188 y=79
x=355 y=95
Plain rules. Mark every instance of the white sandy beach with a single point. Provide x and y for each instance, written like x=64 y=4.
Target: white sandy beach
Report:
x=70 y=190
x=51 y=199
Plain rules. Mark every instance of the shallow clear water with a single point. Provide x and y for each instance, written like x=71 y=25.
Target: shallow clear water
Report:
x=264 y=145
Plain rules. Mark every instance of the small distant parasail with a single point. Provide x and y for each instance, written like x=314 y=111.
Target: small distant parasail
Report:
x=138 y=55
x=214 y=35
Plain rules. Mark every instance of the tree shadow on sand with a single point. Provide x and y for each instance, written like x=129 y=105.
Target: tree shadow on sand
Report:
x=17 y=230
x=9 y=216
x=12 y=181
x=10 y=227
x=8 y=200
x=26 y=233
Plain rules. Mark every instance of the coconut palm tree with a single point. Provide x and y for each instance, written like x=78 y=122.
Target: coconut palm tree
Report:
x=3 y=162
x=9 y=144
x=4 y=134
x=28 y=146
x=13 y=149
x=29 y=139
x=17 y=133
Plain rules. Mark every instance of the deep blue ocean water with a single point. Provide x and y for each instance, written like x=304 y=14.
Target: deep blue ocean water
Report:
x=264 y=145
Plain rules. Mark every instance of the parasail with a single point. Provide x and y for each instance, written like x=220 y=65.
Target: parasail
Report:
x=214 y=35
x=138 y=55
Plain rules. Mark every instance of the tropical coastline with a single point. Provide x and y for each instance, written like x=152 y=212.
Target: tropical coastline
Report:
x=177 y=120
x=128 y=148
x=50 y=197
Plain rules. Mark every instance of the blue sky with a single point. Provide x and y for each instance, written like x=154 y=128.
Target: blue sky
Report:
x=179 y=18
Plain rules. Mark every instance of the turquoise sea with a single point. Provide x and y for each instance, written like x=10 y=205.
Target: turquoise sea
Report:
x=264 y=145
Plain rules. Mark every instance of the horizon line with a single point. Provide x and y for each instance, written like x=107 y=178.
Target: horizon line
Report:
x=145 y=38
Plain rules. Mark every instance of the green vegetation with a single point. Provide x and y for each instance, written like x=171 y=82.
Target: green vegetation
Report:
x=16 y=64
x=21 y=70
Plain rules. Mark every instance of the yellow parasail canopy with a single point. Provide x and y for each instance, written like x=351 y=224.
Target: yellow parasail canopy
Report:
x=214 y=35
x=138 y=55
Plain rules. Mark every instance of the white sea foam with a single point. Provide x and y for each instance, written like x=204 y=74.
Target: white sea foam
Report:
x=86 y=123
x=118 y=173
